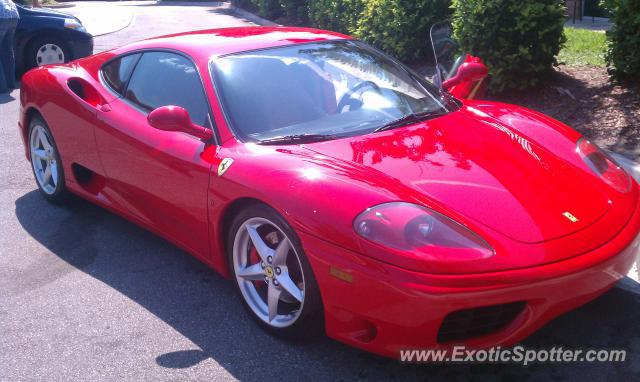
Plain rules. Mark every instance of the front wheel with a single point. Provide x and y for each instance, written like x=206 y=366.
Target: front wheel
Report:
x=45 y=51
x=272 y=274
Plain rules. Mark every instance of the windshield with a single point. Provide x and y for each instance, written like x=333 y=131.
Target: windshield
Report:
x=333 y=89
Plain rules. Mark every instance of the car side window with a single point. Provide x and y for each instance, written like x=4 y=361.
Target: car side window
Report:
x=116 y=73
x=163 y=79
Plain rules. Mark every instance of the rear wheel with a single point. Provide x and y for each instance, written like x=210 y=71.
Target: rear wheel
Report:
x=272 y=274
x=45 y=161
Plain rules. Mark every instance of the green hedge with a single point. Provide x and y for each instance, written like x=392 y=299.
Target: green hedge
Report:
x=517 y=39
x=295 y=11
x=336 y=15
x=269 y=9
x=401 y=27
x=623 y=40
x=244 y=4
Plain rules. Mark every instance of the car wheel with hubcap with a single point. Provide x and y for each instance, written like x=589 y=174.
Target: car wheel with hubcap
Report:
x=272 y=274
x=46 y=51
x=45 y=161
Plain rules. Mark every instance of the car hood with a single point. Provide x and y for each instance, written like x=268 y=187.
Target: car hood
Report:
x=483 y=170
x=45 y=12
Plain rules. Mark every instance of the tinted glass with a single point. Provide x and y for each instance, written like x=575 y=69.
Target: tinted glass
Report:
x=117 y=72
x=336 y=88
x=163 y=79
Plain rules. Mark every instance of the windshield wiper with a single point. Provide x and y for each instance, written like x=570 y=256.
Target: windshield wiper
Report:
x=409 y=119
x=297 y=139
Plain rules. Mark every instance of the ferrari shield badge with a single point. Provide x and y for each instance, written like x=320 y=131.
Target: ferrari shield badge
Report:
x=224 y=166
x=570 y=216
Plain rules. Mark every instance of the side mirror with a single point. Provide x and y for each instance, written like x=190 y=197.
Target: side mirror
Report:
x=176 y=118
x=467 y=72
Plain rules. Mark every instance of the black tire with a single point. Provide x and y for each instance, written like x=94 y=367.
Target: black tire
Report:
x=31 y=51
x=310 y=322
x=60 y=194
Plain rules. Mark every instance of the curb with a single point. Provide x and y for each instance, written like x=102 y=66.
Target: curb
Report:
x=88 y=18
x=133 y=16
x=190 y=3
x=235 y=11
x=222 y=4
x=251 y=17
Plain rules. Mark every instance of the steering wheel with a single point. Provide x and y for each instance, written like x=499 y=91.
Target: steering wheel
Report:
x=348 y=100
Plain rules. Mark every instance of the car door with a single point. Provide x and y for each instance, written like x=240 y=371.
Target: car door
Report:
x=160 y=177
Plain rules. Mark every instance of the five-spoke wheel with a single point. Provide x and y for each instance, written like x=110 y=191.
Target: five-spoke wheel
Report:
x=272 y=273
x=45 y=161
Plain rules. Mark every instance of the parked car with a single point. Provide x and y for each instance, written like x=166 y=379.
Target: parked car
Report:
x=335 y=187
x=45 y=36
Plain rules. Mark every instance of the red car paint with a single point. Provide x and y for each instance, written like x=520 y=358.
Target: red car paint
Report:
x=503 y=171
x=470 y=89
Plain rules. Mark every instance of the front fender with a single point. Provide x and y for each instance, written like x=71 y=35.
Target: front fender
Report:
x=318 y=196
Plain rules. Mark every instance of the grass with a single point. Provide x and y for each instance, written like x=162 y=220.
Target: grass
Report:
x=583 y=47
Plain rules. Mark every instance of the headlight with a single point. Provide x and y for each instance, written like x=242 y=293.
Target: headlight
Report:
x=74 y=24
x=409 y=227
x=603 y=165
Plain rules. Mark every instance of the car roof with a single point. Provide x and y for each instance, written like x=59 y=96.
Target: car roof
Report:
x=204 y=44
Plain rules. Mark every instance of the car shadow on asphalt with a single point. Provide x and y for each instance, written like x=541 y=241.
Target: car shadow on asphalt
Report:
x=203 y=307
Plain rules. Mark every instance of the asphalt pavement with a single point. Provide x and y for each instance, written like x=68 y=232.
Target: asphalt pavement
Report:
x=86 y=295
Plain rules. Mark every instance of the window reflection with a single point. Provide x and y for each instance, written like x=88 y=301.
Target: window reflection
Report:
x=339 y=88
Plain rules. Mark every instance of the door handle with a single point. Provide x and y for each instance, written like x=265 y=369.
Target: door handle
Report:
x=105 y=108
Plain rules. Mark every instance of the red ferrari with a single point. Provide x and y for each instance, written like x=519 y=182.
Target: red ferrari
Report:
x=338 y=189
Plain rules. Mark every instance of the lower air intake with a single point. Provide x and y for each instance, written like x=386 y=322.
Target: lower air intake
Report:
x=476 y=322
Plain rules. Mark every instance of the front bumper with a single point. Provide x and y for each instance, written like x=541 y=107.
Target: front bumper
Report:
x=382 y=308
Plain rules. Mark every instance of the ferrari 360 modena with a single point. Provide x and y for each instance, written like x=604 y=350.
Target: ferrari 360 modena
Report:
x=337 y=189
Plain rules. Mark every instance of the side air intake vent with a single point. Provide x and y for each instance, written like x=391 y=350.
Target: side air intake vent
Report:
x=85 y=91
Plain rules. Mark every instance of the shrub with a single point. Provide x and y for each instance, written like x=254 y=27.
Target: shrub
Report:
x=517 y=39
x=296 y=11
x=336 y=15
x=623 y=40
x=245 y=4
x=269 y=9
x=401 y=27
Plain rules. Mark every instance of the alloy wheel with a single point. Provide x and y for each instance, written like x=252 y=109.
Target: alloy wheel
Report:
x=44 y=159
x=269 y=272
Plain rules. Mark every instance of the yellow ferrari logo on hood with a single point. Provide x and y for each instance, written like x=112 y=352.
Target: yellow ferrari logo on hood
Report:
x=570 y=216
x=224 y=166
